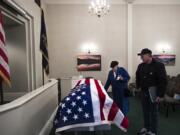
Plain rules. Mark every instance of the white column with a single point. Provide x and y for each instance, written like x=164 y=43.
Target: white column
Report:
x=129 y=37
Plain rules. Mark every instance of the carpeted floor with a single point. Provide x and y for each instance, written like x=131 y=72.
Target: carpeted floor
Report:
x=167 y=126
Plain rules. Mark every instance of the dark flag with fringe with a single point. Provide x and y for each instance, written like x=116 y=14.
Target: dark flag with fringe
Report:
x=38 y=2
x=44 y=45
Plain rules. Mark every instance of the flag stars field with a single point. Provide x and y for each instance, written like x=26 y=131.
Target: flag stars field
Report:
x=84 y=102
x=69 y=111
x=56 y=121
x=73 y=94
x=63 y=105
x=68 y=98
x=83 y=93
x=65 y=119
x=86 y=115
x=73 y=104
x=78 y=97
x=80 y=110
x=75 y=117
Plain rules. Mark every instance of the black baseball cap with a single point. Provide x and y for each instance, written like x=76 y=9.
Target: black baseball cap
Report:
x=145 y=51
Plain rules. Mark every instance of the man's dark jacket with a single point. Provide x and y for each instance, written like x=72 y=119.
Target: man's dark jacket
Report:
x=153 y=74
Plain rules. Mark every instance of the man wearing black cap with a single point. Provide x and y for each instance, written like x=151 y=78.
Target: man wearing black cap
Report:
x=150 y=74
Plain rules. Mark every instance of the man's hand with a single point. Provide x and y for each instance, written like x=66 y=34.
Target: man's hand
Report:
x=159 y=99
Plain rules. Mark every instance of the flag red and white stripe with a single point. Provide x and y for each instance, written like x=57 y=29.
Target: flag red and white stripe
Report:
x=4 y=65
x=108 y=111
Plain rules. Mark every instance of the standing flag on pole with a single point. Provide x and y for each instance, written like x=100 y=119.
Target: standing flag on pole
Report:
x=4 y=64
x=88 y=105
x=44 y=45
x=38 y=2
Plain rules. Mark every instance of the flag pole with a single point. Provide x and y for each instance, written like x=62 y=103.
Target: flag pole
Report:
x=42 y=72
x=43 y=45
x=39 y=4
x=1 y=92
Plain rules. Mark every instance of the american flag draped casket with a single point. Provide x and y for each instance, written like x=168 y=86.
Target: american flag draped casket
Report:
x=88 y=104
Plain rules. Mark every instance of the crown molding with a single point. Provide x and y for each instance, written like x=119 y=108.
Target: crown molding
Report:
x=114 y=2
x=157 y=2
x=79 y=1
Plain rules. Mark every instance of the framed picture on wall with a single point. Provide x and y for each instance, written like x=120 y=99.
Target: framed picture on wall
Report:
x=89 y=62
x=167 y=59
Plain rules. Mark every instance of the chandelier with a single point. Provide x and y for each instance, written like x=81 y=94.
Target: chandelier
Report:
x=99 y=7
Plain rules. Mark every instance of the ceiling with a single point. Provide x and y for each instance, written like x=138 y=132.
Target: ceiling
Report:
x=112 y=1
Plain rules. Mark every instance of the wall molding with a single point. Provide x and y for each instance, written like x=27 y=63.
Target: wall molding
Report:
x=112 y=2
x=156 y=2
x=79 y=1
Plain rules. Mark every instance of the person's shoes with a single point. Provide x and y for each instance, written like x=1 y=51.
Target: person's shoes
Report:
x=143 y=131
x=150 y=133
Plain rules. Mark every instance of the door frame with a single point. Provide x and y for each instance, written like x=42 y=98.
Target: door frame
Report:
x=27 y=20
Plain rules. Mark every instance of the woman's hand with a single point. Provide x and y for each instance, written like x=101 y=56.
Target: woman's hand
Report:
x=120 y=77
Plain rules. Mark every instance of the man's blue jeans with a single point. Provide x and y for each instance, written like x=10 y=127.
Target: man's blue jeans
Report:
x=150 y=112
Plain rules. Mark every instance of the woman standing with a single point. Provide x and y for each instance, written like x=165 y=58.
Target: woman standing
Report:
x=118 y=78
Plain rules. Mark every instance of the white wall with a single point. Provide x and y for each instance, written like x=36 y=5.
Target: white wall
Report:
x=154 y=25
x=70 y=27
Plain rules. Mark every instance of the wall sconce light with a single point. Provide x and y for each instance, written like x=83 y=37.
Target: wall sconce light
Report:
x=89 y=48
x=163 y=47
